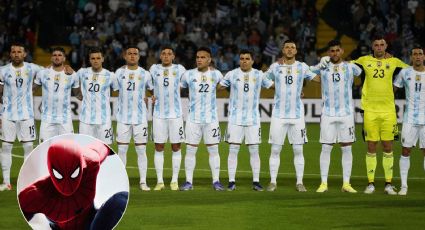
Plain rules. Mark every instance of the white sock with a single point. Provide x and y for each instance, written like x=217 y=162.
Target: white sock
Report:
x=325 y=160
x=254 y=160
x=27 y=146
x=404 y=169
x=122 y=153
x=6 y=161
x=232 y=161
x=190 y=162
x=142 y=162
x=347 y=163
x=299 y=162
x=159 y=165
x=274 y=162
x=176 y=161
x=214 y=161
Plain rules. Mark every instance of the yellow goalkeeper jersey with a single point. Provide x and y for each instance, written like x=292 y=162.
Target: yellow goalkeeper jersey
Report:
x=377 y=91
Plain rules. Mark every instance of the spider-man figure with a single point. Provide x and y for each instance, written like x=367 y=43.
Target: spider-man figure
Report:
x=66 y=196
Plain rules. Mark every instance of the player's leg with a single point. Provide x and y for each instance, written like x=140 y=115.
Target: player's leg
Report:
x=8 y=136
x=346 y=137
x=297 y=136
x=26 y=135
x=388 y=130
x=176 y=133
x=124 y=132
x=409 y=137
x=328 y=136
x=253 y=139
x=104 y=132
x=371 y=129
x=193 y=137
x=277 y=135
x=65 y=128
x=160 y=127
x=47 y=130
x=212 y=137
x=234 y=138
x=140 y=136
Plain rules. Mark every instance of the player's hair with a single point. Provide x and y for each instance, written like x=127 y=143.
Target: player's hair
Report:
x=378 y=37
x=245 y=51
x=20 y=44
x=288 y=41
x=58 y=48
x=95 y=50
x=205 y=49
x=166 y=47
x=334 y=43
x=131 y=46
x=416 y=46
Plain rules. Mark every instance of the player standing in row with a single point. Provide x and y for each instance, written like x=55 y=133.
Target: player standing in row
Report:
x=167 y=114
x=132 y=82
x=288 y=112
x=56 y=96
x=412 y=79
x=244 y=118
x=337 y=120
x=202 y=120
x=380 y=121
x=96 y=83
x=16 y=81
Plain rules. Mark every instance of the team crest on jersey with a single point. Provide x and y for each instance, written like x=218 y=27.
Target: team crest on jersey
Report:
x=57 y=77
x=18 y=73
x=165 y=73
x=336 y=68
x=418 y=77
x=379 y=63
x=387 y=66
x=246 y=78
x=131 y=76
x=95 y=77
x=288 y=70
x=203 y=78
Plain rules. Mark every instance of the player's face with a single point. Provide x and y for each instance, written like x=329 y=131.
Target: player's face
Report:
x=418 y=57
x=246 y=62
x=17 y=54
x=379 y=47
x=96 y=60
x=289 y=50
x=335 y=53
x=58 y=58
x=203 y=60
x=131 y=56
x=167 y=57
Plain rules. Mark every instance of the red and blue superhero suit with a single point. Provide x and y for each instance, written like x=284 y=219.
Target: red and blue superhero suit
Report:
x=66 y=196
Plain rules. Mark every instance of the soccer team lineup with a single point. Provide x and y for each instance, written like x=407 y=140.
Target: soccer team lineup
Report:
x=73 y=165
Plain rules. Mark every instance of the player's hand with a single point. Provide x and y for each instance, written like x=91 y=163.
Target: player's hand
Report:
x=68 y=70
x=324 y=62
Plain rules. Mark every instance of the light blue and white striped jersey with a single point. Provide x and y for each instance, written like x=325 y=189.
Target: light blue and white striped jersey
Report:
x=132 y=85
x=245 y=88
x=202 y=94
x=166 y=81
x=337 y=84
x=288 y=80
x=56 y=95
x=414 y=84
x=96 y=90
x=17 y=91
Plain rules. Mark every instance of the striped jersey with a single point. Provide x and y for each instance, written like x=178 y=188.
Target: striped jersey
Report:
x=245 y=88
x=202 y=94
x=288 y=80
x=17 y=91
x=166 y=82
x=56 y=95
x=337 y=93
x=96 y=90
x=414 y=84
x=132 y=85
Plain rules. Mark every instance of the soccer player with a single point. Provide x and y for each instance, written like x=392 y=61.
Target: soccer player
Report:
x=167 y=114
x=18 y=114
x=56 y=96
x=245 y=85
x=412 y=79
x=288 y=112
x=133 y=81
x=202 y=120
x=96 y=82
x=337 y=120
x=380 y=122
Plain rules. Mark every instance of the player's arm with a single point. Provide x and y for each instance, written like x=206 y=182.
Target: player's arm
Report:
x=398 y=82
x=77 y=93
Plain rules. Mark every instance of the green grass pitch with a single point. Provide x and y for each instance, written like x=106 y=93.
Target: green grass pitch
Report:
x=285 y=208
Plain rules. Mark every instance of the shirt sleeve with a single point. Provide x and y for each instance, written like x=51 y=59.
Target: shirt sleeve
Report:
x=269 y=74
x=308 y=74
x=149 y=83
x=184 y=80
x=219 y=76
x=356 y=70
x=37 y=79
x=76 y=80
x=265 y=82
x=114 y=81
x=226 y=81
x=398 y=82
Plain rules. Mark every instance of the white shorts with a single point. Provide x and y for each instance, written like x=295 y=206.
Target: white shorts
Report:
x=102 y=132
x=23 y=130
x=337 y=129
x=410 y=134
x=48 y=130
x=237 y=133
x=210 y=133
x=295 y=128
x=168 y=128
x=139 y=132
